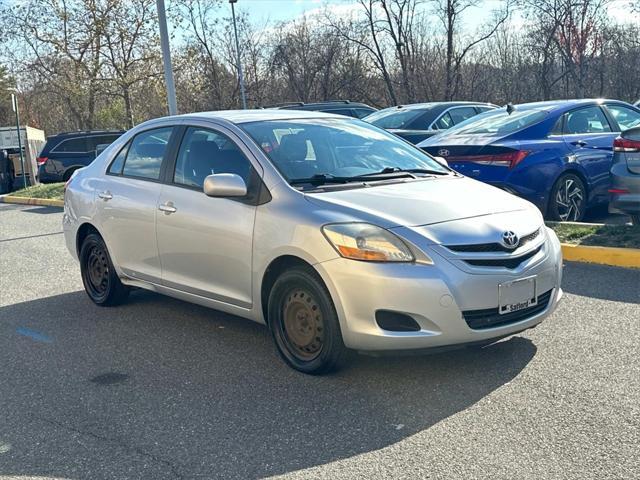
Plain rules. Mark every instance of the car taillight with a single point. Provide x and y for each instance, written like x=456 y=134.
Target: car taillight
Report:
x=41 y=160
x=509 y=159
x=625 y=145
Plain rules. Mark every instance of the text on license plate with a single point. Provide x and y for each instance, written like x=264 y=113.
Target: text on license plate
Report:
x=517 y=295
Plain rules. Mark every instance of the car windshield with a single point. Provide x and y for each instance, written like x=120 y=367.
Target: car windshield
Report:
x=498 y=122
x=337 y=149
x=393 y=117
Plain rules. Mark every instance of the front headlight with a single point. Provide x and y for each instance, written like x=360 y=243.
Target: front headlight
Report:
x=363 y=241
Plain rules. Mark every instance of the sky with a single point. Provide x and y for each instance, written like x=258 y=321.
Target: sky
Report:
x=281 y=10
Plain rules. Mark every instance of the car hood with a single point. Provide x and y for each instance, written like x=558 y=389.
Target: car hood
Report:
x=416 y=203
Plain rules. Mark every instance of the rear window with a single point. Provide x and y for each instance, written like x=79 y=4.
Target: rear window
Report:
x=393 y=118
x=499 y=122
x=78 y=145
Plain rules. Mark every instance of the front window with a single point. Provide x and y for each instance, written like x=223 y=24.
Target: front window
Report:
x=337 y=149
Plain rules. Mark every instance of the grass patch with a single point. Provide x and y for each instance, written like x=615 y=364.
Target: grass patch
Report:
x=623 y=236
x=53 y=191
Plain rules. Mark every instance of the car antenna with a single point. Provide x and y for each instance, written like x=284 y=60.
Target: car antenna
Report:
x=510 y=108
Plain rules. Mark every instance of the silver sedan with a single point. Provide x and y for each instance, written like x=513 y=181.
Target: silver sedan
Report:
x=334 y=233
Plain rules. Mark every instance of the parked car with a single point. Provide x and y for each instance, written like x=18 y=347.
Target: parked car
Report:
x=336 y=234
x=625 y=175
x=339 y=107
x=419 y=121
x=66 y=152
x=555 y=154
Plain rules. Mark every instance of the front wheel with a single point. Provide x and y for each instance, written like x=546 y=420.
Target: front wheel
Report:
x=568 y=199
x=304 y=323
x=100 y=279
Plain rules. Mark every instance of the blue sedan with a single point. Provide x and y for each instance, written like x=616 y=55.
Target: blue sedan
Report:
x=555 y=154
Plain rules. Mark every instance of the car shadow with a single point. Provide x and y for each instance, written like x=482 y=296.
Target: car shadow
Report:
x=162 y=384
x=43 y=210
x=600 y=281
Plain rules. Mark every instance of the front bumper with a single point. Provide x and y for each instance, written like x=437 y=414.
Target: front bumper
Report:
x=433 y=295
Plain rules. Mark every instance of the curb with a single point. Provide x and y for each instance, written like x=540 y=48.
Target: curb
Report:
x=616 y=257
x=43 y=202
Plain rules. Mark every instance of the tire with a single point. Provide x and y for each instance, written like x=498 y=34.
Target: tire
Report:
x=568 y=200
x=635 y=220
x=68 y=173
x=100 y=279
x=304 y=323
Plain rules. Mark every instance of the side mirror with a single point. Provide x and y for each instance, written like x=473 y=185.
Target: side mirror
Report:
x=441 y=161
x=224 y=185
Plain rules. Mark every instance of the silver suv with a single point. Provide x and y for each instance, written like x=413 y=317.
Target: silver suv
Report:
x=333 y=232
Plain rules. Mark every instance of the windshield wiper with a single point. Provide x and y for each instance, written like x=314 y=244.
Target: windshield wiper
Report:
x=324 y=178
x=387 y=170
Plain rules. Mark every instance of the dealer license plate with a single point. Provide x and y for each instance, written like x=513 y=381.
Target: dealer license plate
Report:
x=517 y=295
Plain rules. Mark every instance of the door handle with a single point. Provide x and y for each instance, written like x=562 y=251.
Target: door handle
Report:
x=105 y=195
x=167 y=208
x=579 y=143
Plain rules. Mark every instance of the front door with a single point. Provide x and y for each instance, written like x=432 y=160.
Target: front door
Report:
x=127 y=201
x=205 y=243
x=589 y=136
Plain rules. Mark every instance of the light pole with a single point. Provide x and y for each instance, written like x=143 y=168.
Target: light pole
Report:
x=240 y=77
x=166 y=59
x=14 y=105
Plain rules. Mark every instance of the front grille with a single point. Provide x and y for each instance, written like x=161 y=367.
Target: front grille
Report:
x=511 y=263
x=490 y=318
x=492 y=247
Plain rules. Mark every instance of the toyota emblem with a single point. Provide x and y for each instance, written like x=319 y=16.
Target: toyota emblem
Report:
x=510 y=239
x=443 y=152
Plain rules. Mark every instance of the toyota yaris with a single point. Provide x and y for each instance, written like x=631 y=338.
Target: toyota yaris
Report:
x=333 y=232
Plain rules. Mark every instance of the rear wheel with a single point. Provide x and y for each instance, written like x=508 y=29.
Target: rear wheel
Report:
x=304 y=323
x=568 y=199
x=68 y=173
x=98 y=275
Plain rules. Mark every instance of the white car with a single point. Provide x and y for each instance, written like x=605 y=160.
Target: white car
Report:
x=333 y=232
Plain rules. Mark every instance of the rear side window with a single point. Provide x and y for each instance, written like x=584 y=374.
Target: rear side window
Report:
x=145 y=154
x=444 y=122
x=586 y=120
x=96 y=140
x=116 y=166
x=626 y=117
x=72 y=145
x=459 y=115
x=362 y=112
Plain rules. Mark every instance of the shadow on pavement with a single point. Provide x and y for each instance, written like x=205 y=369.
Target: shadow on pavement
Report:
x=158 y=388
x=600 y=281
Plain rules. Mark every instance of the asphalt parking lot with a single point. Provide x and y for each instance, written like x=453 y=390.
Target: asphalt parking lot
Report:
x=159 y=388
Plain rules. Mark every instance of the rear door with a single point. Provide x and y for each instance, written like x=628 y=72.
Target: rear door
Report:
x=205 y=243
x=127 y=202
x=589 y=136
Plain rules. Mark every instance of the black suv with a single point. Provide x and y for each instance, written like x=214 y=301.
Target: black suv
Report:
x=66 y=152
x=340 y=107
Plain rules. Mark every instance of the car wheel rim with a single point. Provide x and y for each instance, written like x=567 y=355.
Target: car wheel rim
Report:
x=98 y=271
x=303 y=325
x=569 y=200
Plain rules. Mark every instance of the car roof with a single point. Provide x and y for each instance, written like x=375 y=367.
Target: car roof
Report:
x=438 y=105
x=85 y=133
x=337 y=104
x=563 y=105
x=257 y=115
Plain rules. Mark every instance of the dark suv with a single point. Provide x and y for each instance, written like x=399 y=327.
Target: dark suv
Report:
x=66 y=152
x=340 y=107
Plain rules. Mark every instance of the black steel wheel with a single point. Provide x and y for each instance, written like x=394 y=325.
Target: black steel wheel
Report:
x=304 y=323
x=568 y=199
x=98 y=275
